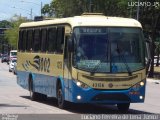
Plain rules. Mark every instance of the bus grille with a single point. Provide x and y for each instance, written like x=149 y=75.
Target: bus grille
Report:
x=112 y=97
x=111 y=79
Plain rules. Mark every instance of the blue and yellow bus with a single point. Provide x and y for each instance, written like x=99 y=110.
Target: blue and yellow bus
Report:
x=83 y=59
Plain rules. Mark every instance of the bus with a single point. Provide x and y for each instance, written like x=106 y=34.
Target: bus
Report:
x=112 y=69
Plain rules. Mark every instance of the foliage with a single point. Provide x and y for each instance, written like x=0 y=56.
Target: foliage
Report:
x=11 y=35
x=67 y=8
x=5 y=24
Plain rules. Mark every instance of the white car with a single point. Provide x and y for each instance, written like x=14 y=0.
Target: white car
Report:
x=11 y=64
x=15 y=68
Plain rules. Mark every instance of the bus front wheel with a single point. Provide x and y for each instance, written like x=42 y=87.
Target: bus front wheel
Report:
x=123 y=107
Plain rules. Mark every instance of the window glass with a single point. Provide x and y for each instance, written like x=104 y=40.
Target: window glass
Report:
x=60 y=39
x=20 y=40
x=24 y=38
x=30 y=40
x=52 y=40
x=36 y=40
x=44 y=40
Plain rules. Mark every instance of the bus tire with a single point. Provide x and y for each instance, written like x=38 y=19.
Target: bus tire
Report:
x=123 y=107
x=42 y=97
x=33 y=95
x=60 y=97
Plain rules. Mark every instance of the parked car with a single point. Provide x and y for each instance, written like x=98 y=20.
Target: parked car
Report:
x=15 y=68
x=4 y=58
x=11 y=64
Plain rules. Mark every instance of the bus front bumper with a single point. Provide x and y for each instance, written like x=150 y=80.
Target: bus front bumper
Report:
x=90 y=95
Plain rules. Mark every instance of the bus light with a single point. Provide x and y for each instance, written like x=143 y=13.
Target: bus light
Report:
x=78 y=97
x=141 y=97
x=142 y=83
x=81 y=84
x=78 y=84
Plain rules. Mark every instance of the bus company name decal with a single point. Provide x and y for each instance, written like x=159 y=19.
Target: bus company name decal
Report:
x=39 y=63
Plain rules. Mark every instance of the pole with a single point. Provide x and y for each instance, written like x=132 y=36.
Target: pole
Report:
x=131 y=11
x=41 y=8
x=31 y=13
x=90 y=6
x=138 y=10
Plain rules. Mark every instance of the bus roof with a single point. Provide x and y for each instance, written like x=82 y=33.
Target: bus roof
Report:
x=13 y=51
x=87 y=20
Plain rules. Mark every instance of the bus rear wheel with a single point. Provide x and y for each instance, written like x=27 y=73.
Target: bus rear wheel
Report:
x=33 y=95
x=60 y=97
x=123 y=107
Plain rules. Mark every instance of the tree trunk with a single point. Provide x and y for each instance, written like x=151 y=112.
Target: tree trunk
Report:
x=155 y=20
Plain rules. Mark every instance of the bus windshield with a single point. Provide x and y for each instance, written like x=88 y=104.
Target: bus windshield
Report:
x=108 y=49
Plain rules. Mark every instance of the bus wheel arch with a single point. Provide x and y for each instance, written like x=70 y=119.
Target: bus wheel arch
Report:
x=33 y=95
x=60 y=94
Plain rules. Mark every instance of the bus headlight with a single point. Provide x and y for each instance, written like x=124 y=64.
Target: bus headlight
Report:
x=142 y=83
x=137 y=86
x=81 y=84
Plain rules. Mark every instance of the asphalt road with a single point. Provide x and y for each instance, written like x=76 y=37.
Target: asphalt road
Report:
x=15 y=100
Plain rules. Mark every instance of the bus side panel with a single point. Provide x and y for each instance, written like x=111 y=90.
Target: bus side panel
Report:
x=45 y=69
x=22 y=79
x=45 y=84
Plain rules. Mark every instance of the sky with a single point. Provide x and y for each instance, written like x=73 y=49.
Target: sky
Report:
x=8 y=8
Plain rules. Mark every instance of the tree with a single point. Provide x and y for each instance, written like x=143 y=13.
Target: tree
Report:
x=48 y=10
x=150 y=19
x=11 y=35
x=5 y=24
x=67 y=8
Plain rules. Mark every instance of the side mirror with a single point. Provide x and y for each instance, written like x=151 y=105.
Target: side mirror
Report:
x=70 y=45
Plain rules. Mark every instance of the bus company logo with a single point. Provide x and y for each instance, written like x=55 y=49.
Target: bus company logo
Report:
x=39 y=63
x=110 y=85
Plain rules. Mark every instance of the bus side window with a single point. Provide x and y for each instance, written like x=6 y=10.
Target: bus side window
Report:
x=24 y=37
x=20 y=41
x=37 y=41
x=66 y=48
x=60 y=39
x=30 y=40
x=43 y=40
x=51 y=45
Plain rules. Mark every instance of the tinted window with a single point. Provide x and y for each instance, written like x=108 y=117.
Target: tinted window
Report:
x=52 y=39
x=36 y=40
x=24 y=38
x=30 y=40
x=20 y=41
x=60 y=39
x=44 y=40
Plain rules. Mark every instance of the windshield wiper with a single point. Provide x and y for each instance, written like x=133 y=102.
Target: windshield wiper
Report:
x=97 y=66
x=124 y=60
